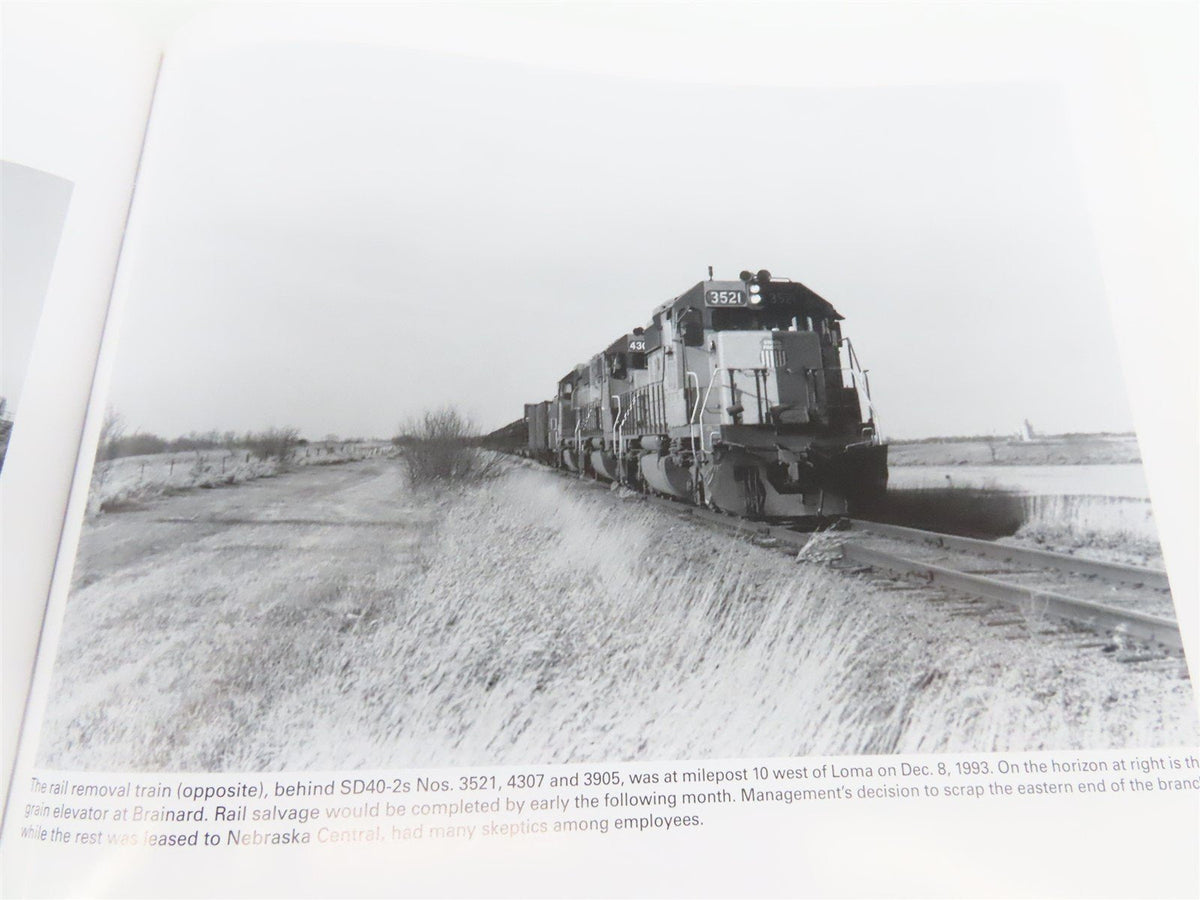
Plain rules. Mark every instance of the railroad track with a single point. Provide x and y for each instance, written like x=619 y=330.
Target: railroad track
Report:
x=1131 y=603
x=1126 y=604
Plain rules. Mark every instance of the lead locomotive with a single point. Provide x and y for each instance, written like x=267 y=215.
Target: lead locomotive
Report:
x=739 y=395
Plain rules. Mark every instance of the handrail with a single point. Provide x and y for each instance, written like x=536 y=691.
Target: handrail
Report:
x=857 y=371
x=711 y=383
x=616 y=422
x=695 y=406
x=694 y=416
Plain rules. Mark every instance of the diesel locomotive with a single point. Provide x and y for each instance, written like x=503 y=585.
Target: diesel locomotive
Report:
x=741 y=396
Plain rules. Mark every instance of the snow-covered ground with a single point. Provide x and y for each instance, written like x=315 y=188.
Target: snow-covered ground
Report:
x=1112 y=529
x=1102 y=511
x=333 y=617
x=132 y=479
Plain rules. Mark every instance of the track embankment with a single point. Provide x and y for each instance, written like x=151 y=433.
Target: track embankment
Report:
x=1128 y=605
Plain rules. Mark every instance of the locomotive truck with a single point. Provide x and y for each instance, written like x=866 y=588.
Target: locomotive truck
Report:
x=739 y=395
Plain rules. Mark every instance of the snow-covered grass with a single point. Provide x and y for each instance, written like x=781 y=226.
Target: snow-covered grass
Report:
x=128 y=481
x=1118 y=528
x=532 y=620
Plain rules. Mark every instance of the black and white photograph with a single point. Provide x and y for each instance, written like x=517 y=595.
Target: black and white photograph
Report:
x=468 y=411
x=34 y=208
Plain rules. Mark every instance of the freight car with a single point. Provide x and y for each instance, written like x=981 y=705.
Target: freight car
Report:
x=739 y=395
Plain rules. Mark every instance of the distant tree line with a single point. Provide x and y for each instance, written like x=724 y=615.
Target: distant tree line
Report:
x=276 y=443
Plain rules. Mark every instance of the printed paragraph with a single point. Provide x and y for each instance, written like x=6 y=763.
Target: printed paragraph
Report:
x=222 y=813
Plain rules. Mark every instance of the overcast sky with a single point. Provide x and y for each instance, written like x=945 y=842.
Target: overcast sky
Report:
x=336 y=237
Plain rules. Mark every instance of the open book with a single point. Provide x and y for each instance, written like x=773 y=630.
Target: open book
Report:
x=452 y=456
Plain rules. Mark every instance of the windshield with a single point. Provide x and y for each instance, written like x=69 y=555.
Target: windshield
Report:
x=745 y=319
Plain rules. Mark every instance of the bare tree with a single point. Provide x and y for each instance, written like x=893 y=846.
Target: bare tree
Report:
x=111 y=432
x=438 y=447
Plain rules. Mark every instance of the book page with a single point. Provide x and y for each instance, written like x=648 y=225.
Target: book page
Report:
x=314 y=644
x=77 y=88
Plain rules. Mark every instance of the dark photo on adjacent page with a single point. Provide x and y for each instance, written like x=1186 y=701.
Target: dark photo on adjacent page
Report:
x=33 y=208
x=434 y=440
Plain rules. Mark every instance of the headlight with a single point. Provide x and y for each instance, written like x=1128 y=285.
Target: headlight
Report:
x=755 y=299
x=754 y=289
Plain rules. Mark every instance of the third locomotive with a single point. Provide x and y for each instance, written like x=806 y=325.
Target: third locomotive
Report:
x=741 y=396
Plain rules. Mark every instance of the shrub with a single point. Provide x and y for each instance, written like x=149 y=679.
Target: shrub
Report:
x=973 y=512
x=274 y=443
x=437 y=447
x=112 y=432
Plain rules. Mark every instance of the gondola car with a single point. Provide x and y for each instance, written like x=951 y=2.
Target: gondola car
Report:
x=739 y=395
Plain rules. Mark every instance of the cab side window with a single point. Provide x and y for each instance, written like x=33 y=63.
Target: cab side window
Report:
x=618 y=367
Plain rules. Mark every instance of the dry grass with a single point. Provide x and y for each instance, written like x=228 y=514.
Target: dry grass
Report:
x=533 y=621
x=1117 y=529
x=1120 y=529
x=975 y=512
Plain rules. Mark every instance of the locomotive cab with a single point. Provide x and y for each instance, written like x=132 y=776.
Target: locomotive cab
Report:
x=774 y=357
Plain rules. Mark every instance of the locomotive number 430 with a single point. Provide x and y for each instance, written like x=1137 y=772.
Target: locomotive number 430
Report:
x=726 y=298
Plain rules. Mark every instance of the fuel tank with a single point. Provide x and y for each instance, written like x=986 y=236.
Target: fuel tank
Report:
x=604 y=464
x=666 y=476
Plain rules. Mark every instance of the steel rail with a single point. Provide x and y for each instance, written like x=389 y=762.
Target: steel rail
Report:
x=1096 y=616
x=1042 y=559
x=1141 y=627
